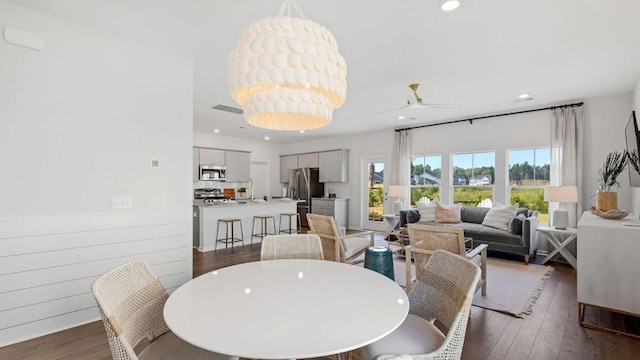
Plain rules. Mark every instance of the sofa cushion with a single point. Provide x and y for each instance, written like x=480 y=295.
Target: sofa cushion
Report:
x=427 y=211
x=499 y=216
x=448 y=213
x=524 y=211
x=515 y=225
x=481 y=233
x=413 y=216
x=473 y=214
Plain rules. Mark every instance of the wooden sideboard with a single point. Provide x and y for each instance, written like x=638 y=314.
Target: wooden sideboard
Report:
x=608 y=271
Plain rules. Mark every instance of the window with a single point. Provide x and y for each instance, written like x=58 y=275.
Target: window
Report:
x=426 y=175
x=528 y=175
x=473 y=176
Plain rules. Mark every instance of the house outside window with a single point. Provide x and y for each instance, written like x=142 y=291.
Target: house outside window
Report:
x=472 y=178
x=426 y=177
x=529 y=173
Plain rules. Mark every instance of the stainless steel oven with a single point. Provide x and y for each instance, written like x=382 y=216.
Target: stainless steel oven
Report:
x=212 y=172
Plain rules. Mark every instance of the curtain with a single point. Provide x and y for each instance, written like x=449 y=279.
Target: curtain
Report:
x=401 y=163
x=566 y=155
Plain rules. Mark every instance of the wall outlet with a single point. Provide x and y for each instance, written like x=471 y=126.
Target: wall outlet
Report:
x=154 y=163
x=121 y=202
x=155 y=201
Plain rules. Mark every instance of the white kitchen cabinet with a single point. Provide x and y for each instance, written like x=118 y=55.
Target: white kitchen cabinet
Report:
x=212 y=157
x=238 y=165
x=338 y=208
x=308 y=160
x=334 y=166
x=287 y=162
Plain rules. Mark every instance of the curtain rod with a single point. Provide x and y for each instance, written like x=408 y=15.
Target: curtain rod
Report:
x=470 y=120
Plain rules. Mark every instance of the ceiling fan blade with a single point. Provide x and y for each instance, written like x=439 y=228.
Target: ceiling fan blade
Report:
x=441 y=106
x=393 y=110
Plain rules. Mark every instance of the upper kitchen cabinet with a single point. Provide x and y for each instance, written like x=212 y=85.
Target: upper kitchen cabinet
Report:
x=287 y=162
x=334 y=166
x=212 y=157
x=238 y=165
x=308 y=160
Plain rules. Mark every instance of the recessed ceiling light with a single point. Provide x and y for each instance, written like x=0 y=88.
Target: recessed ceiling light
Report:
x=401 y=117
x=524 y=96
x=216 y=131
x=449 y=5
x=301 y=131
x=266 y=138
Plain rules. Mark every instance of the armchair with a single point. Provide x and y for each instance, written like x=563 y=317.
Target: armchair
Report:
x=425 y=239
x=347 y=248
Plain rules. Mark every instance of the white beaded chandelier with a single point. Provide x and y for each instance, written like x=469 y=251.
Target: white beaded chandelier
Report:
x=286 y=72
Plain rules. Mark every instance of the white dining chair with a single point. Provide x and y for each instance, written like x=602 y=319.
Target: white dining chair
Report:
x=442 y=294
x=131 y=300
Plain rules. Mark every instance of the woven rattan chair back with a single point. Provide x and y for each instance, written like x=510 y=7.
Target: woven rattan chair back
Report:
x=443 y=292
x=131 y=300
x=431 y=238
x=298 y=246
x=325 y=227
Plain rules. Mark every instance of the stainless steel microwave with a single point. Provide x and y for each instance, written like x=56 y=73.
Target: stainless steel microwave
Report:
x=212 y=172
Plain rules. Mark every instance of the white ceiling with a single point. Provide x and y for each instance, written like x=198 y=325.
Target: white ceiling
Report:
x=481 y=56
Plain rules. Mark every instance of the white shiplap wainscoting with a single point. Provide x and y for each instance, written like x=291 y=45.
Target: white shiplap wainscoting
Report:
x=47 y=265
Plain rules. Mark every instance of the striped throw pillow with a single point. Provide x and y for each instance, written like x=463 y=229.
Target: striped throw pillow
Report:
x=499 y=216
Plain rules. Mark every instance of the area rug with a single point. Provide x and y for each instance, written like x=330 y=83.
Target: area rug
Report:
x=512 y=287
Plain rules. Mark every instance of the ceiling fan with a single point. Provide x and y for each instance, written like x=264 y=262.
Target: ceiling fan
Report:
x=418 y=104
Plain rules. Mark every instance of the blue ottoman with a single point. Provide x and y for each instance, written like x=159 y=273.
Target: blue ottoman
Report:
x=380 y=259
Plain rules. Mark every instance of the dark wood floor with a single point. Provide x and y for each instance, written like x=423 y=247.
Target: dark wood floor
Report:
x=550 y=332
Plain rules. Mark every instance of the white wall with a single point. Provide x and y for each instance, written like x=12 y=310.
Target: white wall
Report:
x=605 y=119
x=79 y=123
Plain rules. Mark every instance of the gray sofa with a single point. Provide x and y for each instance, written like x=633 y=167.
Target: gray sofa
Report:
x=521 y=239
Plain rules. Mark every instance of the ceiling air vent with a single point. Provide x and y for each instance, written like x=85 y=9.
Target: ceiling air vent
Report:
x=227 y=109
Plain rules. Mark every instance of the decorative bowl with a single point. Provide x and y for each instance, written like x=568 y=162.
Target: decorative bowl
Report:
x=611 y=214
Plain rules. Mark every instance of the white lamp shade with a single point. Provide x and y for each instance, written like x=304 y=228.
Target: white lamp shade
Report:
x=287 y=74
x=564 y=194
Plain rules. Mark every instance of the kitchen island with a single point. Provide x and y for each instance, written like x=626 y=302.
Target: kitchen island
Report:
x=206 y=220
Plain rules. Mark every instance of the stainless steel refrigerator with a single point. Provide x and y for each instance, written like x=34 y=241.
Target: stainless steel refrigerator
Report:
x=304 y=184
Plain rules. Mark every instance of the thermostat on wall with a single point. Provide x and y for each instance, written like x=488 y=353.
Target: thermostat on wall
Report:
x=153 y=163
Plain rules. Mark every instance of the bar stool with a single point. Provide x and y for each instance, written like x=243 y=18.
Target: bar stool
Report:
x=229 y=224
x=264 y=226
x=290 y=230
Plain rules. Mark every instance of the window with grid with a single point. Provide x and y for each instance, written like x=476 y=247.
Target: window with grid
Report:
x=473 y=177
x=426 y=175
x=528 y=175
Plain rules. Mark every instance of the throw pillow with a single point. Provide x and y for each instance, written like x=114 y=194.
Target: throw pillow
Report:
x=427 y=211
x=515 y=225
x=413 y=216
x=448 y=214
x=499 y=216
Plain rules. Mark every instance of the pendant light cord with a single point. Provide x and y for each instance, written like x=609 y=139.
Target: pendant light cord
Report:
x=286 y=6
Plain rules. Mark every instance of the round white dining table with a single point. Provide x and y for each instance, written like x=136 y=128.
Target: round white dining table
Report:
x=286 y=309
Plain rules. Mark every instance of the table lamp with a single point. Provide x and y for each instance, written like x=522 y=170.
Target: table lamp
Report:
x=561 y=194
x=398 y=192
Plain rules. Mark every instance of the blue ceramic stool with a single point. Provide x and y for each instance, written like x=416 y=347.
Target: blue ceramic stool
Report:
x=380 y=259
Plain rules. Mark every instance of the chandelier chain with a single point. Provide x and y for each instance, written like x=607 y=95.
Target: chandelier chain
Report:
x=286 y=6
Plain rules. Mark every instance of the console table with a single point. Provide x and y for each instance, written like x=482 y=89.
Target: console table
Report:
x=559 y=239
x=608 y=270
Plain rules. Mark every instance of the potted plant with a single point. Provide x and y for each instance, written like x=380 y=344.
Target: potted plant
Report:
x=242 y=192
x=608 y=177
